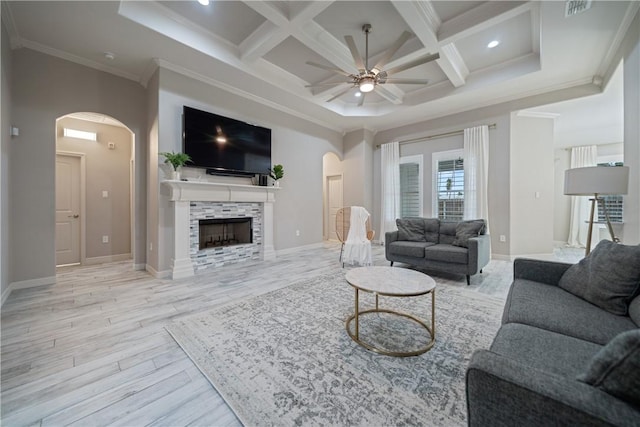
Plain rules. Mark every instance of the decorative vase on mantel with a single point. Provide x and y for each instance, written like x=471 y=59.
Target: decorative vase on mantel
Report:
x=176 y=160
x=175 y=174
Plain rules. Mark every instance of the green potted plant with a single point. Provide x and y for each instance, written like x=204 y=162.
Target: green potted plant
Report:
x=176 y=160
x=276 y=173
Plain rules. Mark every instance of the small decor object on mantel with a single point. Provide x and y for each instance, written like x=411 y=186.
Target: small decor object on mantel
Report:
x=176 y=160
x=276 y=173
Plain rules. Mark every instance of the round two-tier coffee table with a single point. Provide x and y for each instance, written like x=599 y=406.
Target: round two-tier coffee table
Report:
x=393 y=282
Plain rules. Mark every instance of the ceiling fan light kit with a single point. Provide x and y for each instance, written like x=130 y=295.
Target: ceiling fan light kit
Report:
x=368 y=78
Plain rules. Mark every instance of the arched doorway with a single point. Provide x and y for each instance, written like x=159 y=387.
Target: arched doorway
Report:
x=94 y=189
x=333 y=190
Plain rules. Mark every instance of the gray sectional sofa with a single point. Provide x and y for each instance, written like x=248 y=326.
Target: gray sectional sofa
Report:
x=454 y=247
x=568 y=351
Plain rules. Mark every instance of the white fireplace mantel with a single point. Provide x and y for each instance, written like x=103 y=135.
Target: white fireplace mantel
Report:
x=181 y=193
x=218 y=192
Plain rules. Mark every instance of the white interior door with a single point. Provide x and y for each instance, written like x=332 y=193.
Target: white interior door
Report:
x=67 y=209
x=334 y=202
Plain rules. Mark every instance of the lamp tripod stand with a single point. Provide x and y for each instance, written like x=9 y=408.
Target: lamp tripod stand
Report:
x=593 y=201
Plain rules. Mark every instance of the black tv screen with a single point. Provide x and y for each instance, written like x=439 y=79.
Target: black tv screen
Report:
x=225 y=146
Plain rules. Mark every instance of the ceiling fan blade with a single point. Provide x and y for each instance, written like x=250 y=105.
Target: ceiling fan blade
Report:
x=339 y=94
x=361 y=101
x=326 y=84
x=326 y=67
x=414 y=63
x=408 y=81
x=354 y=52
x=392 y=50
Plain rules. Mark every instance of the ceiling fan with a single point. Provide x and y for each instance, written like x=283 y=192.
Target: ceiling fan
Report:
x=368 y=78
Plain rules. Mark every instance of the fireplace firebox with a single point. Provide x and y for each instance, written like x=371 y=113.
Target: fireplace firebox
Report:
x=221 y=232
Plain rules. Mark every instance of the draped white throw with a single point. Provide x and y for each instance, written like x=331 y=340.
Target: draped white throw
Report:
x=581 y=157
x=357 y=248
x=476 y=172
x=390 y=184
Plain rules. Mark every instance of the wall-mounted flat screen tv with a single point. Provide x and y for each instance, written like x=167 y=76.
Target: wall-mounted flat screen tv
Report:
x=225 y=146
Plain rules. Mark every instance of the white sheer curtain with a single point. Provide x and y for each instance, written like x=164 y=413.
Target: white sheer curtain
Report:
x=581 y=157
x=476 y=172
x=390 y=184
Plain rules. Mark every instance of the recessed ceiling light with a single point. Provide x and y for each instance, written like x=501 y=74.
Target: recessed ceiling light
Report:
x=493 y=44
x=204 y=2
x=358 y=94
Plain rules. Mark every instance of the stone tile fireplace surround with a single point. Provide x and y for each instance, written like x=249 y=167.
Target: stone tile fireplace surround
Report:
x=193 y=200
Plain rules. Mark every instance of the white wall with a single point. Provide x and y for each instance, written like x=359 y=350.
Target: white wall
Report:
x=298 y=145
x=5 y=140
x=358 y=169
x=532 y=185
x=44 y=89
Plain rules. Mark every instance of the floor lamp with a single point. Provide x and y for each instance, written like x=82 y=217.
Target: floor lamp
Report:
x=596 y=181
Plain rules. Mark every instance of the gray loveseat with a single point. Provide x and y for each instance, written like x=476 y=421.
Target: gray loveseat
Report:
x=454 y=247
x=561 y=358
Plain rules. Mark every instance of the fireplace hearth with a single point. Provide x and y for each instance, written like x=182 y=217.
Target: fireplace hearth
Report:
x=221 y=232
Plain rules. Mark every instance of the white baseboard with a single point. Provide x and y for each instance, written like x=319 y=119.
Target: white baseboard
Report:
x=23 y=284
x=106 y=259
x=299 y=248
x=164 y=274
x=139 y=267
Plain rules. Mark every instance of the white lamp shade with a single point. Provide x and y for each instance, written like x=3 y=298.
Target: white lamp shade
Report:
x=596 y=180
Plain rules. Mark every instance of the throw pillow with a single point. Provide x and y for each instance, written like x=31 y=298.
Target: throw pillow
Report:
x=466 y=230
x=616 y=367
x=608 y=277
x=411 y=229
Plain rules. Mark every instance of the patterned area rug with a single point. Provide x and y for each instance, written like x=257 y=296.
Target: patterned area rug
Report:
x=284 y=358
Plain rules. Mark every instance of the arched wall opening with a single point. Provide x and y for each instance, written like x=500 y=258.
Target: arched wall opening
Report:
x=94 y=203
x=332 y=191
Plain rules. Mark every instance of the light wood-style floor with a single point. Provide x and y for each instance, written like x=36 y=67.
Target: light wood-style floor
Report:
x=92 y=349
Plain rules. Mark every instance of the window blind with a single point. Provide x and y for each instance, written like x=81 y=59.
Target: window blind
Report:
x=450 y=189
x=409 y=190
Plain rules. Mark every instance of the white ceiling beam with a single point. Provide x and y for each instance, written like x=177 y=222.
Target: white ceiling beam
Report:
x=269 y=11
x=480 y=18
x=316 y=38
x=391 y=93
x=261 y=41
x=424 y=22
x=311 y=10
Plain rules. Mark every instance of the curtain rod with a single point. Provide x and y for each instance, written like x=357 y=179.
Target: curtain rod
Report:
x=439 y=135
x=574 y=146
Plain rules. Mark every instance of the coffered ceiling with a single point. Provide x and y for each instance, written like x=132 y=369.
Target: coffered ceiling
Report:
x=260 y=49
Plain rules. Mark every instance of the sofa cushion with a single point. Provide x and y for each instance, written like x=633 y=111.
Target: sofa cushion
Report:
x=447 y=253
x=552 y=308
x=608 y=277
x=616 y=368
x=634 y=310
x=410 y=249
x=544 y=350
x=432 y=230
x=411 y=229
x=448 y=231
x=466 y=230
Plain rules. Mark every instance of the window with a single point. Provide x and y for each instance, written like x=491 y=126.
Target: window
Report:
x=74 y=133
x=410 y=186
x=448 y=167
x=614 y=203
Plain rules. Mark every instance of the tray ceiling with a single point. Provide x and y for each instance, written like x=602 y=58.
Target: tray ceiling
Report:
x=259 y=49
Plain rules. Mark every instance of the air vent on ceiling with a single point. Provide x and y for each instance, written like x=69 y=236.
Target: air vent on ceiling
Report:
x=574 y=7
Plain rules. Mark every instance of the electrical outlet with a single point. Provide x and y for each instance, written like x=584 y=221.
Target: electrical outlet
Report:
x=151 y=246
x=503 y=238
x=297 y=232
x=105 y=239
x=105 y=194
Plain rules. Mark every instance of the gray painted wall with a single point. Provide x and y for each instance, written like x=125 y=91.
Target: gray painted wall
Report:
x=531 y=185
x=298 y=145
x=39 y=98
x=631 y=52
x=5 y=140
x=106 y=170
